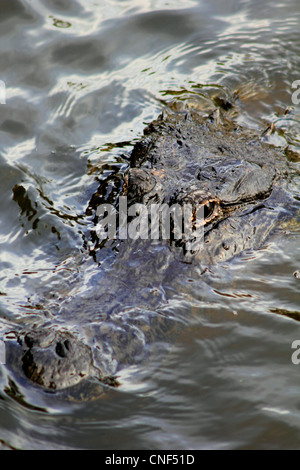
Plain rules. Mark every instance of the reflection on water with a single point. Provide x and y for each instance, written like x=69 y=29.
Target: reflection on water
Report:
x=82 y=79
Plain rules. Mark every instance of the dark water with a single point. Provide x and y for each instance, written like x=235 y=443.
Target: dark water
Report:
x=82 y=78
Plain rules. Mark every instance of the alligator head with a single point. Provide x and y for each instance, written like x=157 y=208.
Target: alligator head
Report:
x=225 y=174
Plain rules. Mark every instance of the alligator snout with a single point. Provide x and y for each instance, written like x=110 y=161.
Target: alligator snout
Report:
x=56 y=359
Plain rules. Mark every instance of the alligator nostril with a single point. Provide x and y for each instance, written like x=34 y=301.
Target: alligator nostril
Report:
x=60 y=350
x=67 y=344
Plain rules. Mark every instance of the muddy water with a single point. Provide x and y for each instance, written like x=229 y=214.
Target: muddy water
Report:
x=80 y=79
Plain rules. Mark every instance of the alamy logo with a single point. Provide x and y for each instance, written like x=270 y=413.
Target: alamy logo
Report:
x=296 y=355
x=2 y=352
x=2 y=92
x=156 y=221
x=296 y=93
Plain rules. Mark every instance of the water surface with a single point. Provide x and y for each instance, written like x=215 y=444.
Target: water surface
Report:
x=82 y=79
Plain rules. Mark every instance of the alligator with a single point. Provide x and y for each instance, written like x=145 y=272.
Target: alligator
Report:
x=116 y=314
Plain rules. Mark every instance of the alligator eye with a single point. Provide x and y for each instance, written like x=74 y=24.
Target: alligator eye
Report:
x=205 y=211
x=205 y=207
x=209 y=209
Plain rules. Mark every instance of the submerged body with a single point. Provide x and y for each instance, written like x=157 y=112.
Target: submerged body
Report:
x=239 y=183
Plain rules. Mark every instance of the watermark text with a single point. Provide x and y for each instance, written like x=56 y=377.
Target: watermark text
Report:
x=2 y=352
x=2 y=92
x=296 y=93
x=154 y=221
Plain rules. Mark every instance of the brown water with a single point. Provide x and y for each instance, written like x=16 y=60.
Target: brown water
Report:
x=82 y=79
